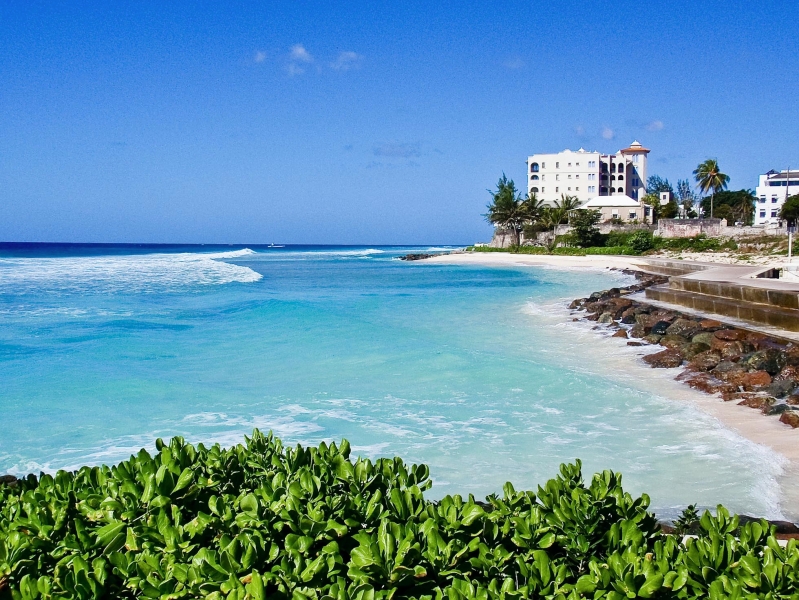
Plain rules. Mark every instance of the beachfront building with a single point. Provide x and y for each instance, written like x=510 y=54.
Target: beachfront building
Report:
x=587 y=175
x=619 y=207
x=772 y=190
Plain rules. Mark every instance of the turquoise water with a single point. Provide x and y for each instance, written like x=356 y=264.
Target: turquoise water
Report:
x=478 y=372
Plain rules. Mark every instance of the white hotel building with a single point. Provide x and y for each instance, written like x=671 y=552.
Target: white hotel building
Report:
x=772 y=190
x=588 y=175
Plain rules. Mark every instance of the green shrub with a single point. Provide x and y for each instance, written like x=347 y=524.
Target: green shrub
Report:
x=641 y=241
x=261 y=520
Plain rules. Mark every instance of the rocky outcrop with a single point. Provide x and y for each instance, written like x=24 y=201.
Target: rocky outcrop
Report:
x=750 y=368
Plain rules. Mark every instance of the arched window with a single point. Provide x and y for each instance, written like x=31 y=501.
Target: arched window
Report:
x=621 y=190
x=533 y=190
x=613 y=177
x=612 y=168
x=534 y=177
x=621 y=177
x=534 y=168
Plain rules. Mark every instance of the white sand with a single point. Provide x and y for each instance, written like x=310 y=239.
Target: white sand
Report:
x=747 y=422
x=497 y=259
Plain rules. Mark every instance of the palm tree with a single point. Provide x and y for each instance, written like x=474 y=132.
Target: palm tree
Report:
x=507 y=209
x=745 y=207
x=709 y=178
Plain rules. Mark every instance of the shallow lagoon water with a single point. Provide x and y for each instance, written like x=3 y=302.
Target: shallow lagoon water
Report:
x=478 y=372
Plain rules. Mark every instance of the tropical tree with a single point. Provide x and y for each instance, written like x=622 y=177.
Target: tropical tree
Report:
x=790 y=210
x=656 y=184
x=653 y=201
x=583 y=227
x=507 y=209
x=709 y=178
x=744 y=208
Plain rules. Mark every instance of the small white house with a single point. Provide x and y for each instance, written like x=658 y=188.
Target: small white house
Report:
x=772 y=190
x=617 y=206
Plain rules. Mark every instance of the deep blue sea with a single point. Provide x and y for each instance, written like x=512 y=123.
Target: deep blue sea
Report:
x=478 y=372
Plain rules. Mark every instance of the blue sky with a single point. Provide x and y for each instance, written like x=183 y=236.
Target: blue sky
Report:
x=313 y=122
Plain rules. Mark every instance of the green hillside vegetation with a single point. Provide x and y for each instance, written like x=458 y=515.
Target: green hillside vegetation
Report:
x=261 y=520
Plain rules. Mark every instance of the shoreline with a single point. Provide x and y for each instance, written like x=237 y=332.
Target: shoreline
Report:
x=743 y=420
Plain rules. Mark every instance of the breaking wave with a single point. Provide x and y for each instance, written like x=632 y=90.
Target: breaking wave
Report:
x=143 y=273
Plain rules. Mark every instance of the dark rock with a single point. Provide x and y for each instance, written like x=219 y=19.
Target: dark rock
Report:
x=592 y=317
x=704 y=338
x=705 y=361
x=621 y=333
x=726 y=365
x=781 y=388
x=628 y=316
x=660 y=327
x=684 y=328
x=577 y=303
x=634 y=344
x=707 y=383
x=672 y=341
x=730 y=335
x=710 y=324
x=646 y=320
x=793 y=400
x=748 y=381
x=637 y=331
x=758 y=402
x=667 y=359
x=8 y=480
x=691 y=350
x=731 y=396
x=790 y=418
x=417 y=256
x=792 y=356
x=605 y=318
x=789 y=372
x=652 y=338
x=771 y=361
x=778 y=409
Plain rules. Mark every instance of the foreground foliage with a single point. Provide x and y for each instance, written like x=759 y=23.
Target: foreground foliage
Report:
x=262 y=520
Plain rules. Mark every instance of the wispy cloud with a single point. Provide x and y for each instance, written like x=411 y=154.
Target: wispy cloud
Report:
x=260 y=56
x=300 y=54
x=397 y=150
x=580 y=131
x=655 y=125
x=346 y=60
x=514 y=63
x=608 y=133
x=299 y=57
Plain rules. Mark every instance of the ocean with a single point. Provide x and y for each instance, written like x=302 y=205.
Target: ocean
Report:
x=478 y=372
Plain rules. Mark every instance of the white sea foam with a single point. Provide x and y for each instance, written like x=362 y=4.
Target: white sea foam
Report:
x=140 y=273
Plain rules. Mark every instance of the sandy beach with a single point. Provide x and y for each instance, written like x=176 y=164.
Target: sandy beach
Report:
x=750 y=424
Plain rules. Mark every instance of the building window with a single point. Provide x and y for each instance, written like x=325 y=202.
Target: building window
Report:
x=635 y=158
x=621 y=177
x=534 y=177
x=569 y=189
x=534 y=168
x=615 y=213
x=557 y=177
x=576 y=189
x=762 y=214
x=543 y=177
x=570 y=164
x=773 y=213
x=576 y=164
x=542 y=190
x=577 y=176
x=569 y=176
x=633 y=215
x=621 y=191
x=533 y=190
x=762 y=199
x=543 y=165
x=556 y=190
x=774 y=199
x=613 y=177
x=635 y=181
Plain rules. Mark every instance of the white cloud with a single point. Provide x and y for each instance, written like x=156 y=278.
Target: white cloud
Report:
x=346 y=60
x=300 y=54
x=260 y=56
x=608 y=133
x=655 y=126
x=293 y=69
x=579 y=130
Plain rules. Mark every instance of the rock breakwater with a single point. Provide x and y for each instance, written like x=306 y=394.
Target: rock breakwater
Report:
x=751 y=368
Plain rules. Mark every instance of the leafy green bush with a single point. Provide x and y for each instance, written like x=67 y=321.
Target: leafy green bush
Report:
x=700 y=243
x=261 y=520
x=641 y=241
